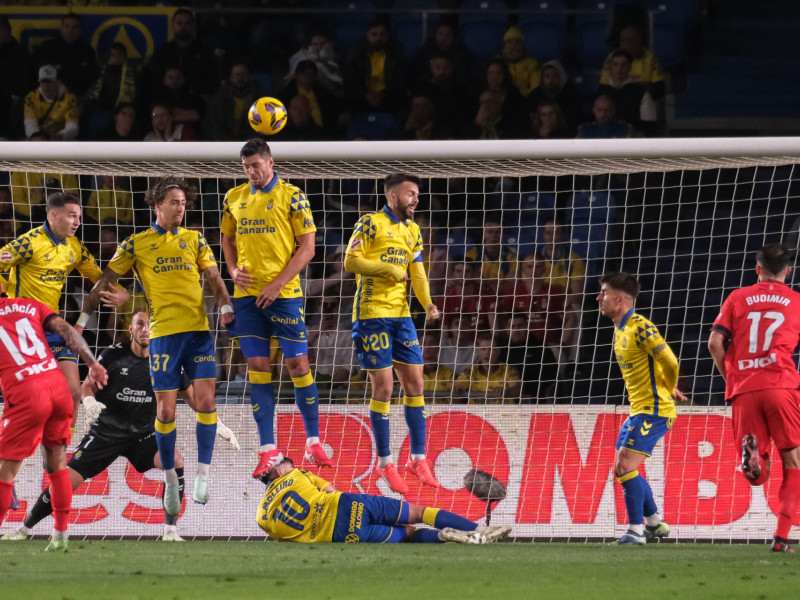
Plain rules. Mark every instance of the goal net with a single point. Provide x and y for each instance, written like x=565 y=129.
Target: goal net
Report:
x=521 y=382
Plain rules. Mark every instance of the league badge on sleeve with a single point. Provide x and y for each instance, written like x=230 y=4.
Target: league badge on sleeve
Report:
x=6 y=256
x=355 y=244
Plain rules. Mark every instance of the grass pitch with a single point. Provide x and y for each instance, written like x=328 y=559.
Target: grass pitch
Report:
x=202 y=570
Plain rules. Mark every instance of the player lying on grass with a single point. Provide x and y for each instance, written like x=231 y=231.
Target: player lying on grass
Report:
x=301 y=507
x=122 y=417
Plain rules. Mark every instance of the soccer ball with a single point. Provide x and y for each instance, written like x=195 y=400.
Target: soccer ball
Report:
x=267 y=115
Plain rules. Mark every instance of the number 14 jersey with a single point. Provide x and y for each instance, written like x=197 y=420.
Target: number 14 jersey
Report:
x=762 y=326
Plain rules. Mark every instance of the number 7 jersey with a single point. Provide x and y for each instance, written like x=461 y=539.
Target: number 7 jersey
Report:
x=762 y=326
x=26 y=360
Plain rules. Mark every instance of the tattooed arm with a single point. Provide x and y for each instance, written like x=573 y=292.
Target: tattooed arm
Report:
x=97 y=372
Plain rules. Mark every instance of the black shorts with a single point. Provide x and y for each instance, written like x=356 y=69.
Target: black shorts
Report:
x=95 y=453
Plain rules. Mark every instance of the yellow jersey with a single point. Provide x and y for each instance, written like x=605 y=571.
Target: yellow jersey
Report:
x=642 y=355
x=382 y=237
x=475 y=380
x=440 y=380
x=297 y=508
x=51 y=116
x=266 y=224
x=646 y=69
x=31 y=189
x=39 y=263
x=168 y=265
x=563 y=271
x=110 y=206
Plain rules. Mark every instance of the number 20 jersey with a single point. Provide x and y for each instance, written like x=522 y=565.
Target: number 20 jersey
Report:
x=26 y=360
x=762 y=325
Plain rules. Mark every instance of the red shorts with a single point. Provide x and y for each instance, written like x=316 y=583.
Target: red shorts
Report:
x=42 y=416
x=770 y=415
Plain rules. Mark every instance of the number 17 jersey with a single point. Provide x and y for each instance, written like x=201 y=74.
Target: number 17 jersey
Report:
x=762 y=326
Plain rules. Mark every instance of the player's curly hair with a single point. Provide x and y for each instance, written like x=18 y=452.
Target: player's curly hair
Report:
x=156 y=194
x=395 y=179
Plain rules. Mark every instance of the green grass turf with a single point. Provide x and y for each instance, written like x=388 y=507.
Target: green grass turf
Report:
x=94 y=570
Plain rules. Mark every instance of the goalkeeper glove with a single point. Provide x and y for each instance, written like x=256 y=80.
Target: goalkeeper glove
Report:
x=92 y=409
x=227 y=435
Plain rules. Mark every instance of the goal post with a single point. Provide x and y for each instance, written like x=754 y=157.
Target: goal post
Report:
x=684 y=215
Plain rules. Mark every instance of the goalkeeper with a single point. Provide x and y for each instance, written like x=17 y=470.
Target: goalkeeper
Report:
x=122 y=418
x=299 y=506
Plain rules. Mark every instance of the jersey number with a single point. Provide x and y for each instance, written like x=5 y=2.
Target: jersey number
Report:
x=156 y=362
x=289 y=514
x=377 y=342
x=755 y=318
x=29 y=342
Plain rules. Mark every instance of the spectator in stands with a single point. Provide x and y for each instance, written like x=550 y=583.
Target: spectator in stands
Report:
x=71 y=55
x=422 y=122
x=563 y=267
x=605 y=124
x=320 y=51
x=107 y=245
x=524 y=69
x=489 y=380
x=16 y=78
x=116 y=83
x=29 y=191
x=551 y=320
x=325 y=106
x=447 y=95
x=547 y=122
x=646 y=68
x=496 y=264
x=301 y=126
x=535 y=363
x=110 y=203
x=123 y=127
x=434 y=257
x=51 y=108
x=490 y=123
x=457 y=344
x=226 y=119
x=7 y=222
x=633 y=103
x=165 y=129
x=336 y=282
x=556 y=87
x=445 y=41
x=463 y=287
x=436 y=377
x=330 y=345
x=196 y=62
x=375 y=71
x=511 y=120
x=188 y=108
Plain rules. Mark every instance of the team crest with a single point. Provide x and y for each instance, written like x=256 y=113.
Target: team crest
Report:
x=182 y=244
x=46 y=258
x=373 y=359
x=71 y=257
x=269 y=206
x=389 y=235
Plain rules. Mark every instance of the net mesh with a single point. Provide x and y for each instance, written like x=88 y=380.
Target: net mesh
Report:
x=520 y=379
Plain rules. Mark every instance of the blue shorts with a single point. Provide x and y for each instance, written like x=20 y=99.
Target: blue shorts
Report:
x=641 y=433
x=59 y=347
x=191 y=352
x=380 y=342
x=368 y=519
x=283 y=319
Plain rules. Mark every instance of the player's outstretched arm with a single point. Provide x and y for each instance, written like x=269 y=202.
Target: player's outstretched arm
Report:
x=97 y=372
x=221 y=296
x=716 y=347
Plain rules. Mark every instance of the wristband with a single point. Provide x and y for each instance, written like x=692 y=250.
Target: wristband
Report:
x=226 y=308
x=83 y=319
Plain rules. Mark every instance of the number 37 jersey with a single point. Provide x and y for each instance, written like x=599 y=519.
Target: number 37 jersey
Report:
x=25 y=357
x=762 y=326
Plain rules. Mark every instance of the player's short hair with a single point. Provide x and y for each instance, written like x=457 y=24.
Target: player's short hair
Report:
x=255 y=146
x=622 y=282
x=773 y=258
x=156 y=194
x=272 y=474
x=141 y=308
x=60 y=200
x=395 y=179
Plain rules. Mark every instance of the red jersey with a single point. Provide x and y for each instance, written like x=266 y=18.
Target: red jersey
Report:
x=545 y=306
x=762 y=325
x=24 y=353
